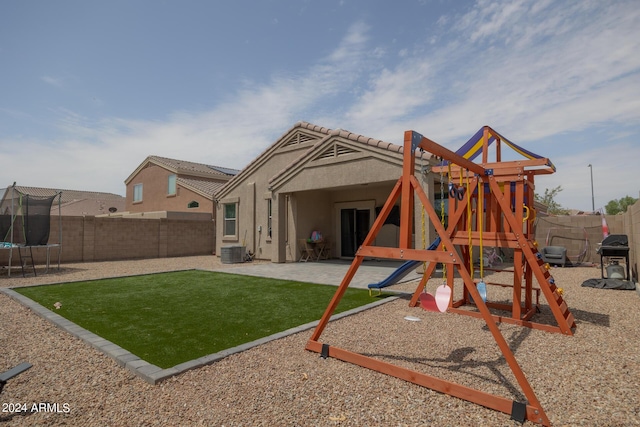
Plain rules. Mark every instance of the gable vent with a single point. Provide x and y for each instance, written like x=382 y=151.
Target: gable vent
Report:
x=336 y=150
x=299 y=138
x=341 y=150
x=306 y=138
x=328 y=153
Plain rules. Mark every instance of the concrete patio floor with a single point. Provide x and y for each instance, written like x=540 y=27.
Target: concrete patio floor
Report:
x=329 y=272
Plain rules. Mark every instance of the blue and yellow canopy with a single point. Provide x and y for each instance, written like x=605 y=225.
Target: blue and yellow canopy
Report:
x=473 y=147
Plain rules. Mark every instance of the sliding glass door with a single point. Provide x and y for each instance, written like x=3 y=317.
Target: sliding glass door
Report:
x=354 y=227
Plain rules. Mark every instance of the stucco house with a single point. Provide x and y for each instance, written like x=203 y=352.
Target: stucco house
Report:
x=311 y=179
x=161 y=184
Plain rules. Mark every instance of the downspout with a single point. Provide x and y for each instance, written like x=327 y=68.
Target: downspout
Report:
x=254 y=226
x=286 y=228
x=59 y=228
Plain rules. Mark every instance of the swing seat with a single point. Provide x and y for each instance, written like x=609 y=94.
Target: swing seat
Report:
x=482 y=290
x=439 y=302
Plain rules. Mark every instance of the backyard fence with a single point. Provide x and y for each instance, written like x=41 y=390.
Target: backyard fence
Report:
x=86 y=239
x=579 y=234
x=572 y=231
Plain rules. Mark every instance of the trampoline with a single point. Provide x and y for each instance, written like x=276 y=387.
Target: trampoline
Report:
x=25 y=225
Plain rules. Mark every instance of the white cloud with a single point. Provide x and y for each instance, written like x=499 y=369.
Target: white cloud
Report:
x=614 y=175
x=548 y=67
x=393 y=94
x=51 y=81
x=533 y=70
x=354 y=40
x=106 y=151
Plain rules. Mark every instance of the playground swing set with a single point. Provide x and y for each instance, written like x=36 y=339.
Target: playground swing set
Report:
x=492 y=205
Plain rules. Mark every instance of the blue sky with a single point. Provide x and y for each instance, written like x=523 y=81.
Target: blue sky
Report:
x=88 y=89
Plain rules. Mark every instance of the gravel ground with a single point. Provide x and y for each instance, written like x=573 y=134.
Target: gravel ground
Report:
x=590 y=379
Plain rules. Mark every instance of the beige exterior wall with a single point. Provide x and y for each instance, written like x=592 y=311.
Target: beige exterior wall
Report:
x=154 y=180
x=340 y=173
x=251 y=198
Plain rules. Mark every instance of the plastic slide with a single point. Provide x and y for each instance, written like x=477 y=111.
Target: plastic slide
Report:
x=403 y=270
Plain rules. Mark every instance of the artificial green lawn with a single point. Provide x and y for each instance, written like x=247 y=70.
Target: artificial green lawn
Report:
x=170 y=318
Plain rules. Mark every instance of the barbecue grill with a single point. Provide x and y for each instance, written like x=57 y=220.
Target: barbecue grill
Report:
x=614 y=247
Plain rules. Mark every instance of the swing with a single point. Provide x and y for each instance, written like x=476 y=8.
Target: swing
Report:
x=439 y=302
x=481 y=286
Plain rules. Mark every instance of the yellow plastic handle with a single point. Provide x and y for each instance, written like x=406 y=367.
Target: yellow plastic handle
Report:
x=526 y=217
x=532 y=217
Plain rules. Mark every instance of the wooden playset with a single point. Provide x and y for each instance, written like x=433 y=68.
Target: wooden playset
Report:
x=490 y=205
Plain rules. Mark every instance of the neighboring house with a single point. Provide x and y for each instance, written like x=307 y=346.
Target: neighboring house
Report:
x=161 y=184
x=311 y=179
x=74 y=202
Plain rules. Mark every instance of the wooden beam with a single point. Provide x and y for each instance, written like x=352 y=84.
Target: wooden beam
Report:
x=498 y=403
x=438 y=150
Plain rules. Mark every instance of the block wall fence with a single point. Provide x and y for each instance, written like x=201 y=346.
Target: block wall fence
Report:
x=87 y=239
x=568 y=231
x=632 y=229
x=573 y=231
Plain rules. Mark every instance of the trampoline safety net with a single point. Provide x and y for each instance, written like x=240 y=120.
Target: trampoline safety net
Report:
x=31 y=219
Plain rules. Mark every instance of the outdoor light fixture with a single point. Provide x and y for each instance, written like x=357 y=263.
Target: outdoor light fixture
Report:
x=593 y=200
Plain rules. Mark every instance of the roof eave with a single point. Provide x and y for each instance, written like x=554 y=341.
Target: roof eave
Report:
x=265 y=155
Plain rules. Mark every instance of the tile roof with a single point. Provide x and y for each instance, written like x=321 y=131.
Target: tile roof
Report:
x=90 y=207
x=75 y=202
x=67 y=195
x=185 y=167
x=368 y=141
x=202 y=186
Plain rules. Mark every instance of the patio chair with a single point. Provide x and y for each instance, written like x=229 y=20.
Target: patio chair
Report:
x=306 y=251
x=324 y=249
x=555 y=255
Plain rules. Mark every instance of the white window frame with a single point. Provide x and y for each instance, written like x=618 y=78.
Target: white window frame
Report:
x=137 y=193
x=228 y=220
x=171 y=185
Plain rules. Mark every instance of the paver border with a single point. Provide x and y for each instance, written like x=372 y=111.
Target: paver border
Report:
x=153 y=374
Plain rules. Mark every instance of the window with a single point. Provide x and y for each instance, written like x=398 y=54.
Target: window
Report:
x=269 y=218
x=193 y=204
x=137 y=193
x=230 y=219
x=171 y=185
